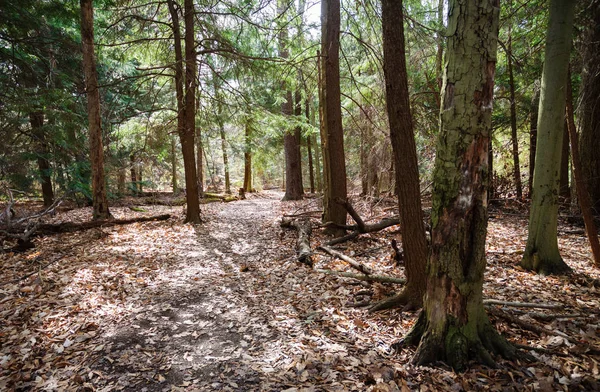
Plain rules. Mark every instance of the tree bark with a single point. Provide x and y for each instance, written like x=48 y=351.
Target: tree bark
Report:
x=564 y=189
x=185 y=120
x=453 y=326
x=99 y=199
x=199 y=163
x=402 y=137
x=248 y=158
x=589 y=112
x=513 y=115
x=533 y=137
x=174 y=166
x=582 y=193
x=541 y=253
x=36 y=120
x=333 y=142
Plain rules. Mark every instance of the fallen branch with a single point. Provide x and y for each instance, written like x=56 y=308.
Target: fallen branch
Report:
x=353 y=263
x=524 y=324
x=304 y=230
x=366 y=278
x=522 y=304
x=70 y=227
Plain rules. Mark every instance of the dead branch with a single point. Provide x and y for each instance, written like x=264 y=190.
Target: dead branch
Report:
x=524 y=324
x=353 y=263
x=70 y=227
x=304 y=230
x=366 y=278
x=522 y=304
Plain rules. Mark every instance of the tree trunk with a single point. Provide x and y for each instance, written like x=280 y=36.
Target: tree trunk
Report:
x=121 y=181
x=541 y=253
x=291 y=138
x=199 y=164
x=564 y=190
x=36 y=120
x=99 y=199
x=225 y=157
x=589 y=112
x=453 y=326
x=311 y=169
x=140 y=178
x=533 y=137
x=174 y=165
x=185 y=127
x=333 y=142
x=402 y=137
x=513 y=116
x=133 y=173
x=248 y=158
x=439 y=58
x=582 y=193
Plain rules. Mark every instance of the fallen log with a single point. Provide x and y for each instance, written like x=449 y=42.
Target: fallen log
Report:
x=304 y=229
x=70 y=227
x=366 y=278
x=522 y=304
x=353 y=263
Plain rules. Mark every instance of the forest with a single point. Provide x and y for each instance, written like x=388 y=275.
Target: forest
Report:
x=299 y=195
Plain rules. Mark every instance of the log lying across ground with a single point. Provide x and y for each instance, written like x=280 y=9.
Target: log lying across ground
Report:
x=353 y=263
x=361 y=227
x=366 y=278
x=304 y=229
x=70 y=227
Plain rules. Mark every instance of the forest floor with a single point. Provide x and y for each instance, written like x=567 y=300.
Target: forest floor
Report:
x=224 y=306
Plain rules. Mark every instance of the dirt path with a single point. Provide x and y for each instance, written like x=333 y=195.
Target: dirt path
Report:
x=228 y=316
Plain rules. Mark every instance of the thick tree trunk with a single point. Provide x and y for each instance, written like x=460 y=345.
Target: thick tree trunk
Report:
x=414 y=242
x=185 y=127
x=99 y=199
x=453 y=326
x=333 y=142
x=589 y=109
x=513 y=117
x=291 y=138
x=541 y=253
x=533 y=137
x=582 y=193
x=248 y=158
x=36 y=120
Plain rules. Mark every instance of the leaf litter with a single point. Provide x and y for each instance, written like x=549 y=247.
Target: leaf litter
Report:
x=224 y=306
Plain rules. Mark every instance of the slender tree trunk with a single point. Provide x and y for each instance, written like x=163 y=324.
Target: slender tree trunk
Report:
x=582 y=193
x=564 y=189
x=133 y=173
x=185 y=120
x=402 y=137
x=174 y=165
x=322 y=131
x=332 y=114
x=439 y=58
x=225 y=157
x=541 y=253
x=199 y=163
x=589 y=109
x=99 y=199
x=36 y=120
x=454 y=326
x=248 y=158
x=121 y=181
x=140 y=177
x=513 y=117
x=311 y=170
x=533 y=137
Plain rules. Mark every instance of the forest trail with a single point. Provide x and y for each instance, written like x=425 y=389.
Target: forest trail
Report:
x=224 y=306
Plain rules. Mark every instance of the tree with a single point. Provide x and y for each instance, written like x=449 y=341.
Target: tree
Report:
x=454 y=326
x=186 y=104
x=99 y=199
x=541 y=253
x=291 y=137
x=332 y=136
x=414 y=242
x=588 y=113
